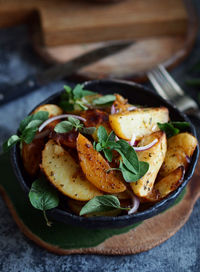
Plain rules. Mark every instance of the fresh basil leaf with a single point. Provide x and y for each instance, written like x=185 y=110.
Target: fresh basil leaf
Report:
x=108 y=154
x=40 y=115
x=101 y=204
x=130 y=176
x=104 y=99
x=111 y=137
x=81 y=105
x=25 y=122
x=29 y=134
x=78 y=91
x=169 y=129
x=112 y=145
x=88 y=93
x=181 y=125
x=88 y=130
x=43 y=196
x=129 y=156
x=74 y=121
x=144 y=167
x=68 y=89
x=63 y=127
x=34 y=124
x=66 y=106
x=102 y=134
x=98 y=147
x=11 y=142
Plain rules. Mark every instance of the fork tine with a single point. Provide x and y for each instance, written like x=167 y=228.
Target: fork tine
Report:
x=153 y=79
x=173 y=83
x=168 y=90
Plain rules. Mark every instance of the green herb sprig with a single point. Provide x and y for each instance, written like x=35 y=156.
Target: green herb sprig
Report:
x=131 y=168
x=104 y=100
x=73 y=98
x=43 y=197
x=27 y=129
x=173 y=128
x=73 y=123
x=102 y=204
x=106 y=143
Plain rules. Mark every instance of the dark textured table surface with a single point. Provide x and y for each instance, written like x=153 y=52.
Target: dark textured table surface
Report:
x=180 y=253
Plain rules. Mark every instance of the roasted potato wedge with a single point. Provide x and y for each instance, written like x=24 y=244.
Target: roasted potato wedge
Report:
x=179 y=151
x=52 y=109
x=65 y=174
x=96 y=118
x=166 y=185
x=121 y=104
x=95 y=168
x=139 y=122
x=155 y=157
x=32 y=156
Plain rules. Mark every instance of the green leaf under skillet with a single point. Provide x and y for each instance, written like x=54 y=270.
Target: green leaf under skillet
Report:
x=63 y=127
x=43 y=197
x=105 y=99
x=101 y=204
x=11 y=142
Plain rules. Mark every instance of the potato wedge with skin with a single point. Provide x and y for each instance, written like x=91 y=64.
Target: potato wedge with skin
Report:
x=52 y=109
x=121 y=104
x=96 y=118
x=180 y=149
x=32 y=156
x=139 y=122
x=155 y=157
x=95 y=168
x=65 y=174
x=166 y=185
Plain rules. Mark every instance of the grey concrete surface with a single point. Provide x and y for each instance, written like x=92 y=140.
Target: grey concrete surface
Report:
x=17 y=253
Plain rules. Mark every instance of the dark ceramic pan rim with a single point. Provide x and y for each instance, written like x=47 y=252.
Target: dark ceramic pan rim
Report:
x=129 y=218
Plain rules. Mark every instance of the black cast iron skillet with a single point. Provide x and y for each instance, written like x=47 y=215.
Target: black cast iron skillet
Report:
x=136 y=94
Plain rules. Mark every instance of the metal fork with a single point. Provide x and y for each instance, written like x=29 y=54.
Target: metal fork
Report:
x=167 y=87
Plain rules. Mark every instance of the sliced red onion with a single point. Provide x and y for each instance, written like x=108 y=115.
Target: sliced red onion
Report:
x=132 y=141
x=136 y=204
x=132 y=108
x=142 y=148
x=116 y=138
x=112 y=110
x=154 y=128
x=62 y=116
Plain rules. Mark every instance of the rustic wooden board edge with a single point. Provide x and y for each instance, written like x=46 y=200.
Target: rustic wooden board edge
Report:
x=171 y=62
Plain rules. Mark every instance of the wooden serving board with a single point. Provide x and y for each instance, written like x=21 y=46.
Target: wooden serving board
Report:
x=164 y=31
x=64 y=239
